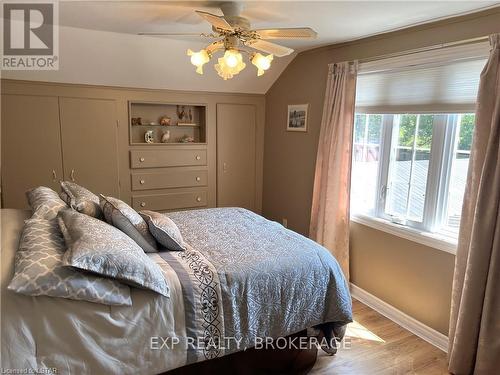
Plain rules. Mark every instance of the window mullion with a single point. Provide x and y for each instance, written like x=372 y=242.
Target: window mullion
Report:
x=435 y=177
x=385 y=157
x=449 y=145
x=365 y=138
x=412 y=166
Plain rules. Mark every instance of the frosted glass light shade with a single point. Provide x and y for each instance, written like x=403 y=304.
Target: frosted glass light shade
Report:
x=199 y=59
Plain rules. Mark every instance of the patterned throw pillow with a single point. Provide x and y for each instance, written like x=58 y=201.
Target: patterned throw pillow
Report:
x=98 y=247
x=125 y=218
x=39 y=270
x=44 y=202
x=164 y=230
x=81 y=199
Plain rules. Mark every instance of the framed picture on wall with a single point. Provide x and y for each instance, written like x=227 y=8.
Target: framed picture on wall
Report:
x=297 y=118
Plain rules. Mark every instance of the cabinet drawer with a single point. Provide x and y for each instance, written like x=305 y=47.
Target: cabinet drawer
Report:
x=168 y=179
x=170 y=201
x=167 y=158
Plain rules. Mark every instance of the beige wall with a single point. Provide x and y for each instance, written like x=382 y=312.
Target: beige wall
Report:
x=414 y=278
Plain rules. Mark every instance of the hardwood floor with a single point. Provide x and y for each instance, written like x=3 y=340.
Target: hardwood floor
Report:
x=377 y=345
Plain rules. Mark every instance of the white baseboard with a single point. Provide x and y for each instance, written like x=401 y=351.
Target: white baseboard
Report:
x=426 y=333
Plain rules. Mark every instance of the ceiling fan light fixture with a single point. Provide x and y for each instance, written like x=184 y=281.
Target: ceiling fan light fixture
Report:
x=230 y=64
x=232 y=58
x=233 y=34
x=199 y=59
x=262 y=62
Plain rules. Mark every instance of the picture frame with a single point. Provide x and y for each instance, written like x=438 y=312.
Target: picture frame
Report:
x=297 y=118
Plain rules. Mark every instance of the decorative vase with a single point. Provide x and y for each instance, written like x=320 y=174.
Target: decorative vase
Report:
x=149 y=137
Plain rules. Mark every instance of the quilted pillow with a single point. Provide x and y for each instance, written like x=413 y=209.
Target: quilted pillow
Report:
x=125 y=218
x=164 y=230
x=98 y=247
x=81 y=199
x=44 y=202
x=39 y=270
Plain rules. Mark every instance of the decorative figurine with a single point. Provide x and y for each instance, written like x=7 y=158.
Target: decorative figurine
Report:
x=149 y=137
x=165 y=121
x=181 y=113
x=186 y=139
x=136 y=121
x=190 y=115
x=165 y=137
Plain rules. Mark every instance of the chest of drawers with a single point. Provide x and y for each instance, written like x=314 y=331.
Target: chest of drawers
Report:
x=169 y=179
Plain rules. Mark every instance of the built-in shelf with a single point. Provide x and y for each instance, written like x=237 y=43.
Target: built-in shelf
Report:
x=168 y=126
x=186 y=121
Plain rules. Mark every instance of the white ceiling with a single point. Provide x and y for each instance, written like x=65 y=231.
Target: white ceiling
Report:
x=335 y=21
x=98 y=43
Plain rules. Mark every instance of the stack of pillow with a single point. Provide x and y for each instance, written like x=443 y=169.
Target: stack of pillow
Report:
x=80 y=246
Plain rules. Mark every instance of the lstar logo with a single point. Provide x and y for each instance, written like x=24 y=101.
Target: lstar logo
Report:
x=30 y=36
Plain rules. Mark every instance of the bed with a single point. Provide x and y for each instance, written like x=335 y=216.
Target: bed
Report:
x=241 y=279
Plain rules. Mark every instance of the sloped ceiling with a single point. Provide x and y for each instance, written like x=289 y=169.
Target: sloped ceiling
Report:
x=98 y=42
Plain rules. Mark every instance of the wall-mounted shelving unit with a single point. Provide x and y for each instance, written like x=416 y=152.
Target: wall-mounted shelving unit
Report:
x=186 y=123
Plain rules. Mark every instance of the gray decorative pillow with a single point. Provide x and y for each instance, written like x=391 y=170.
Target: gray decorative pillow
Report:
x=98 y=247
x=164 y=230
x=81 y=199
x=39 y=270
x=125 y=218
x=44 y=202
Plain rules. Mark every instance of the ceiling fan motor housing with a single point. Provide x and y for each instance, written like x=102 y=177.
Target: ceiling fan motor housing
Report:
x=231 y=41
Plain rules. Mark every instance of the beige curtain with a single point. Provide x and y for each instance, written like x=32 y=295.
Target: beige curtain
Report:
x=330 y=204
x=475 y=313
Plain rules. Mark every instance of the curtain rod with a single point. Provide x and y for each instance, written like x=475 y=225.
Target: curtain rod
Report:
x=425 y=49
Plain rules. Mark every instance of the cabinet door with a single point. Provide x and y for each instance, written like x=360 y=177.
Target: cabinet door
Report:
x=89 y=143
x=236 y=144
x=31 y=146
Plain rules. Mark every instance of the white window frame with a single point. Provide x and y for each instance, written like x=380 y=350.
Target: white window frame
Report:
x=443 y=149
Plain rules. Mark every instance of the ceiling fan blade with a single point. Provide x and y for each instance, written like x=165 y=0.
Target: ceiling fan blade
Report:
x=173 y=34
x=216 y=21
x=288 y=33
x=269 y=47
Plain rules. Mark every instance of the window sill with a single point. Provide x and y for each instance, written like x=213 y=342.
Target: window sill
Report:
x=433 y=240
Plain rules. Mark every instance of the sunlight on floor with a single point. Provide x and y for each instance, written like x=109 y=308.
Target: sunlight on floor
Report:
x=357 y=330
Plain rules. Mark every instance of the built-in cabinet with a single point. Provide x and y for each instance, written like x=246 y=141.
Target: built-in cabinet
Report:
x=160 y=176
x=46 y=139
x=96 y=137
x=236 y=155
x=89 y=143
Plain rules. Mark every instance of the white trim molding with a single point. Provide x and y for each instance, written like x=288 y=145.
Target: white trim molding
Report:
x=419 y=329
x=433 y=240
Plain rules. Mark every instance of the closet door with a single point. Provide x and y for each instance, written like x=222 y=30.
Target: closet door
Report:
x=31 y=146
x=236 y=142
x=89 y=143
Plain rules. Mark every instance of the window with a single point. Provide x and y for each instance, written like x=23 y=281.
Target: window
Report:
x=412 y=139
x=411 y=169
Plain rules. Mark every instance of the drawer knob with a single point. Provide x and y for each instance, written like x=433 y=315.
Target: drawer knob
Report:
x=141 y=159
x=198 y=157
x=143 y=204
x=198 y=178
x=198 y=199
x=142 y=182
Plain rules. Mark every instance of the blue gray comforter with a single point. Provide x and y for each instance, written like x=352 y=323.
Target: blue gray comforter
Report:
x=249 y=277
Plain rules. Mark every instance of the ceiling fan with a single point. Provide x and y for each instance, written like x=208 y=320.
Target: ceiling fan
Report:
x=233 y=34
